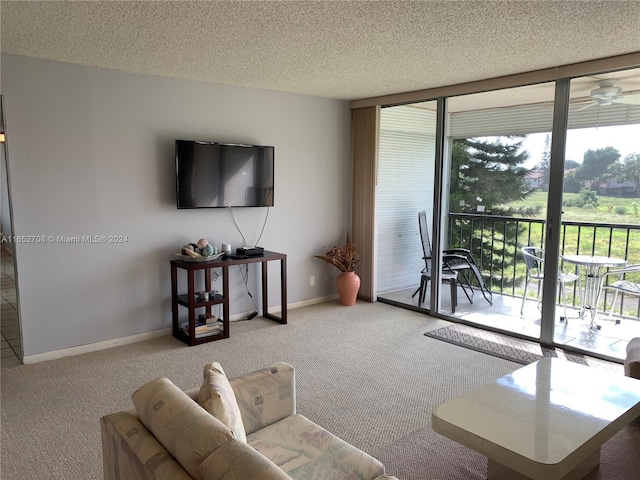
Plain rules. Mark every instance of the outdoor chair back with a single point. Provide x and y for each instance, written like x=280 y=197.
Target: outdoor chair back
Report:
x=454 y=260
x=534 y=260
x=621 y=285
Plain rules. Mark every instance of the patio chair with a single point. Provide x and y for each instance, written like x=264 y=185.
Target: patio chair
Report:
x=621 y=285
x=457 y=262
x=534 y=260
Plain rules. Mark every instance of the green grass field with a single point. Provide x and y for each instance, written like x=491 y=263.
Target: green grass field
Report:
x=615 y=242
x=606 y=212
x=610 y=240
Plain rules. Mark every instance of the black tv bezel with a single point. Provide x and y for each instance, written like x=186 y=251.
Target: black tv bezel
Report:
x=177 y=185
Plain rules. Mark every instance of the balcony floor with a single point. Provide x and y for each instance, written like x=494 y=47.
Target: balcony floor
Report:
x=610 y=342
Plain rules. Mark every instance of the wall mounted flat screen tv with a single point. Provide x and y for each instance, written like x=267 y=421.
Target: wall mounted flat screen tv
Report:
x=211 y=175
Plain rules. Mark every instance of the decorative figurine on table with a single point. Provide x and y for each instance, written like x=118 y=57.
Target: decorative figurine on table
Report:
x=200 y=249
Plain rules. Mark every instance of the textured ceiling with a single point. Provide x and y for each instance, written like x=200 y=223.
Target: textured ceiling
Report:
x=337 y=49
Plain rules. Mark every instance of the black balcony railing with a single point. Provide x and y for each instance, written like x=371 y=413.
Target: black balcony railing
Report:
x=495 y=241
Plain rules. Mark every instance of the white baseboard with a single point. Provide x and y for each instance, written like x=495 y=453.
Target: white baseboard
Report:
x=95 y=347
x=291 y=306
x=312 y=301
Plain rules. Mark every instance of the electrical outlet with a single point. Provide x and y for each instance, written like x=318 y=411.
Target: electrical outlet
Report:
x=312 y=281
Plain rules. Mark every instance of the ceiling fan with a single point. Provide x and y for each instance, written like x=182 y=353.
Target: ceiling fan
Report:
x=608 y=94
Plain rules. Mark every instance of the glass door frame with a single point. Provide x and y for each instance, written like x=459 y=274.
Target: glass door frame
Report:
x=441 y=185
x=554 y=209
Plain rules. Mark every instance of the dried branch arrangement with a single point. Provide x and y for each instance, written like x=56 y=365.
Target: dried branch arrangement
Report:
x=343 y=258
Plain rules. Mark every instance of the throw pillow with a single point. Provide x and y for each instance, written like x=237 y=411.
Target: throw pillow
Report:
x=216 y=397
x=188 y=432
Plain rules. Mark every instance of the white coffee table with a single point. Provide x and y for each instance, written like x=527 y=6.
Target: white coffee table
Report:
x=545 y=421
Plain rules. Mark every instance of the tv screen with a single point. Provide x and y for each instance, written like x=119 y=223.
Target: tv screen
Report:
x=211 y=174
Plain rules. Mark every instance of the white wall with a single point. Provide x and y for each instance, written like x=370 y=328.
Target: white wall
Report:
x=92 y=154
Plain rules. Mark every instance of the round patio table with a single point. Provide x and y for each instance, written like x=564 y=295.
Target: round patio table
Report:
x=593 y=266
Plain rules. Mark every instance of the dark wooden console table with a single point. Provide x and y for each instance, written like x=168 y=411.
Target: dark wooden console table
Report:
x=188 y=300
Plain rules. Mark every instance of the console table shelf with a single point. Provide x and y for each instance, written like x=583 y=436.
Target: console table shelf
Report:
x=189 y=302
x=213 y=300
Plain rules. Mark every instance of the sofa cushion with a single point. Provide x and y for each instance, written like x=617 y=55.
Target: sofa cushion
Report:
x=236 y=460
x=265 y=396
x=182 y=426
x=305 y=451
x=217 y=398
x=130 y=451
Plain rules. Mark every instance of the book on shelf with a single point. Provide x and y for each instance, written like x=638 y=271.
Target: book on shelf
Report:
x=203 y=329
x=207 y=318
x=209 y=328
x=209 y=334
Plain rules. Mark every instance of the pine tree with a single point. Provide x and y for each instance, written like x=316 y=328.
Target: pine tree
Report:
x=489 y=172
x=545 y=161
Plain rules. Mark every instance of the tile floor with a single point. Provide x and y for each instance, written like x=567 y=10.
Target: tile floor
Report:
x=9 y=323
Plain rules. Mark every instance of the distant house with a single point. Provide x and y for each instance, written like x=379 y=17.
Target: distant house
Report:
x=536 y=179
x=612 y=187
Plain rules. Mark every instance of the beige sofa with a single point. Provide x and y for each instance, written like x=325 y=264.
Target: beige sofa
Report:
x=169 y=435
x=632 y=360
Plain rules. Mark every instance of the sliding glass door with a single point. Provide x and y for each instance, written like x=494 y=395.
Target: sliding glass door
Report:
x=405 y=187
x=523 y=179
x=496 y=203
x=600 y=210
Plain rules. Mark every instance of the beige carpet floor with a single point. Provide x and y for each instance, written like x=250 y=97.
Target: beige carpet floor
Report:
x=367 y=373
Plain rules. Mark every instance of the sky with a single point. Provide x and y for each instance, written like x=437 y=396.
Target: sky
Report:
x=625 y=138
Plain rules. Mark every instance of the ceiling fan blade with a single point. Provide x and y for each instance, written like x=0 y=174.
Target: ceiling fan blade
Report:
x=590 y=104
x=633 y=99
x=573 y=102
